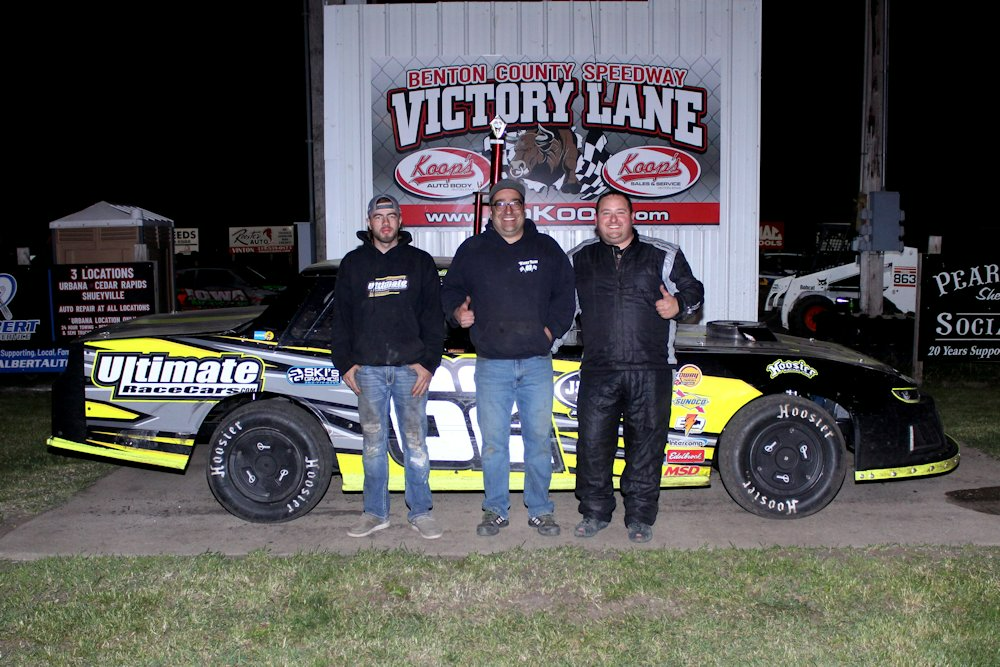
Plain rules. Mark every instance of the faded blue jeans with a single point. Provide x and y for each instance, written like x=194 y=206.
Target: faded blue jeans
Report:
x=500 y=384
x=378 y=384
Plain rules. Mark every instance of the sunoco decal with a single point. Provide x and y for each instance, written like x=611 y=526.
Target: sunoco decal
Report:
x=689 y=401
x=313 y=375
x=780 y=367
x=443 y=173
x=162 y=377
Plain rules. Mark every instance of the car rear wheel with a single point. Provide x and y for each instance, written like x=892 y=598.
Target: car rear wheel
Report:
x=270 y=462
x=782 y=457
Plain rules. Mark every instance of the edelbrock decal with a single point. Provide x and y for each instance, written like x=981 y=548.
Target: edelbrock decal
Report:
x=162 y=377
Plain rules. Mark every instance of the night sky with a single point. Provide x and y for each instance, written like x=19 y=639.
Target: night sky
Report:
x=197 y=111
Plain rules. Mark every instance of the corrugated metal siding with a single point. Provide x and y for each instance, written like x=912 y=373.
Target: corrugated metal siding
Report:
x=724 y=257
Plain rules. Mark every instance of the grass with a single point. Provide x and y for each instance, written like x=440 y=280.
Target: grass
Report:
x=564 y=606
x=31 y=478
x=883 y=605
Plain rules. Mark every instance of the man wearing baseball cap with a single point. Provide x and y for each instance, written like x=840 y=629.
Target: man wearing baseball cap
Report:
x=388 y=334
x=512 y=287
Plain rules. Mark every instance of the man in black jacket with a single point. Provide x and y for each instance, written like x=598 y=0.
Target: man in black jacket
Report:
x=631 y=290
x=387 y=341
x=512 y=287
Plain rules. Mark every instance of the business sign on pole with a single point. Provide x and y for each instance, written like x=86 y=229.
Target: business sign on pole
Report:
x=644 y=125
x=960 y=309
x=185 y=240
x=243 y=240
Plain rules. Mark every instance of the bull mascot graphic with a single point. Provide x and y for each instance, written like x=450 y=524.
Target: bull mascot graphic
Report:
x=557 y=157
x=547 y=156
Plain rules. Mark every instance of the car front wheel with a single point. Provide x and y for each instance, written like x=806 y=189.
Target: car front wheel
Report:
x=270 y=462
x=782 y=457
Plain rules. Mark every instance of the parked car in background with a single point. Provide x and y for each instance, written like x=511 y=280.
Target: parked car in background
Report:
x=221 y=287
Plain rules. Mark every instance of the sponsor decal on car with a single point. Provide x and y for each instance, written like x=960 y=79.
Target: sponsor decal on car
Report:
x=681 y=471
x=689 y=401
x=780 y=367
x=263 y=335
x=313 y=375
x=685 y=456
x=690 y=423
x=567 y=389
x=161 y=377
x=688 y=376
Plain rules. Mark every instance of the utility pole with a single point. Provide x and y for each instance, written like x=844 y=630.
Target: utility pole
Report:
x=873 y=150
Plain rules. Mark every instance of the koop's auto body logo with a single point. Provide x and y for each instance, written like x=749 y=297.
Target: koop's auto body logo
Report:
x=443 y=173
x=651 y=171
x=162 y=377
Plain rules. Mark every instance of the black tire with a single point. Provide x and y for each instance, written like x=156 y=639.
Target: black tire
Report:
x=271 y=461
x=802 y=318
x=782 y=457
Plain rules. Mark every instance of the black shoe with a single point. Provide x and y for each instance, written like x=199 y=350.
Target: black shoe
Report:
x=589 y=527
x=639 y=532
x=491 y=524
x=546 y=525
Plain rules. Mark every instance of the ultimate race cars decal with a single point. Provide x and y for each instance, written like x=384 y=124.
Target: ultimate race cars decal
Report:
x=644 y=124
x=161 y=377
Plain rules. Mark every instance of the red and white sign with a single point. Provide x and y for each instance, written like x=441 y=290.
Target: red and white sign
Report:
x=443 y=173
x=652 y=171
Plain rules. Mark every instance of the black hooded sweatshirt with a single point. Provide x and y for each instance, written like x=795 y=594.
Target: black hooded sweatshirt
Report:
x=387 y=307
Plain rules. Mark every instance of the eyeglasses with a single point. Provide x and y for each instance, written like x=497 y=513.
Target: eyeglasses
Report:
x=516 y=205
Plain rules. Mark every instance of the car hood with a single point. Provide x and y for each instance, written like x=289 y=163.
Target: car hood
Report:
x=755 y=338
x=218 y=320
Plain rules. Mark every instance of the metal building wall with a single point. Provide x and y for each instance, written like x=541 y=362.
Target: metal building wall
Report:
x=723 y=256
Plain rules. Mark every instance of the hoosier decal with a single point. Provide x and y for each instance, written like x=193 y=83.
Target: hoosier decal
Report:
x=780 y=366
x=162 y=377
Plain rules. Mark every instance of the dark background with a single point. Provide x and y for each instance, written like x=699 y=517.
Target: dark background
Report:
x=197 y=111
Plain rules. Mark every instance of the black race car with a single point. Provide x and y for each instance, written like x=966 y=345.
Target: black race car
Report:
x=775 y=415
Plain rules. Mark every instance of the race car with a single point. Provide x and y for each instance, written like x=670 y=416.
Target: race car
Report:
x=775 y=415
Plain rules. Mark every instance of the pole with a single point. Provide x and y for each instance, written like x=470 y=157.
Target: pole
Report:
x=497 y=128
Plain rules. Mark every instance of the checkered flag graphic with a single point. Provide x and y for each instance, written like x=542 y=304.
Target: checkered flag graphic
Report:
x=593 y=155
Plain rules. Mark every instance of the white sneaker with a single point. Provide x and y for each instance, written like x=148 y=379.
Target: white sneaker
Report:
x=427 y=526
x=368 y=524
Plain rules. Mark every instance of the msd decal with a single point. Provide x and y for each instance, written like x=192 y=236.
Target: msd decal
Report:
x=161 y=377
x=443 y=173
x=652 y=171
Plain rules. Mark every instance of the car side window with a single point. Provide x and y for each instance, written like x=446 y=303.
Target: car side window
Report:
x=312 y=324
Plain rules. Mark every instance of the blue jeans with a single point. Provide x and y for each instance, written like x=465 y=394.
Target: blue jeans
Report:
x=500 y=383
x=378 y=384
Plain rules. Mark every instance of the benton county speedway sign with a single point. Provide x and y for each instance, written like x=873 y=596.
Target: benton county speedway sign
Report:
x=646 y=125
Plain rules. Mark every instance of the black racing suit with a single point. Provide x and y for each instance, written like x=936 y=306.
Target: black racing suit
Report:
x=627 y=368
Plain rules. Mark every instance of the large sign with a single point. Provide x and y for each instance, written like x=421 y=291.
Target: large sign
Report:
x=960 y=309
x=90 y=296
x=26 y=342
x=648 y=126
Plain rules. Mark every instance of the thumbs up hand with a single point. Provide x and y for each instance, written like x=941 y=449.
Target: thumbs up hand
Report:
x=667 y=306
x=464 y=315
